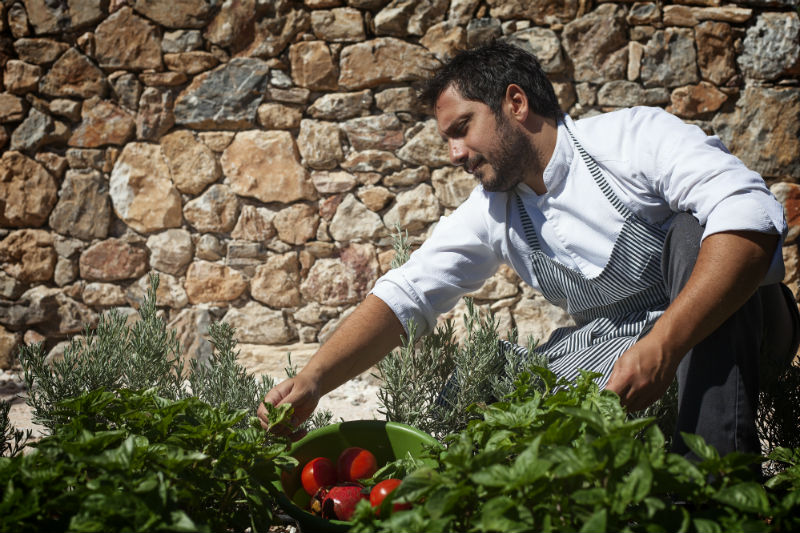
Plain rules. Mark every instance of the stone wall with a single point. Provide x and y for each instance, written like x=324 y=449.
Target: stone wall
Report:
x=255 y=153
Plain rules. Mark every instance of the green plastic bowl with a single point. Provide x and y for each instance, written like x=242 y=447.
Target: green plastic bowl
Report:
x=387 y=440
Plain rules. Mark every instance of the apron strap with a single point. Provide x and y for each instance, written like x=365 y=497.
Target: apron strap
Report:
x=599 y=178
x=527 y=225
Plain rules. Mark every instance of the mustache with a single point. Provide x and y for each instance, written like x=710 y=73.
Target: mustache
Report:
x=472 y=163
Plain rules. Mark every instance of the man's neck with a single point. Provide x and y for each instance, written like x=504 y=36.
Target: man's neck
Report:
x=542 y=135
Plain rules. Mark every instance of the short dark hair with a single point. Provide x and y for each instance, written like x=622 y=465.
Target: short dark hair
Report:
x=483 y=74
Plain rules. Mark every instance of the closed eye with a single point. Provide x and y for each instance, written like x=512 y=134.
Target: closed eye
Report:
x=458 y=128
x=461 y=128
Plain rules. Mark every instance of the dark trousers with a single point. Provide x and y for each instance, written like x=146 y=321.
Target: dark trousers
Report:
x=718 y=380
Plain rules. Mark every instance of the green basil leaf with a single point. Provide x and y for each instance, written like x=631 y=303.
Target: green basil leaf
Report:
x=504 y=514
x=698 y=445
x=596 y=522
x=748 y=497
x=705 y=525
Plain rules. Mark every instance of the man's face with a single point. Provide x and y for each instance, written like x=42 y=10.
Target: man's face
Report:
x=486 y=146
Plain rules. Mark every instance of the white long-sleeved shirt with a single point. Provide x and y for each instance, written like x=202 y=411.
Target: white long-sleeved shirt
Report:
x=657 y=166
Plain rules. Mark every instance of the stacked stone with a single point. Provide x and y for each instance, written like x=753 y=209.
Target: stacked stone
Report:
x=257 y=154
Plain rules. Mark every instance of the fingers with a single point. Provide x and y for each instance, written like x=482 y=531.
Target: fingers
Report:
x=279 y=429
x=631 y=380
x=619 y=382
x=292 y=391
x=279 y=392
x=633 y=394
x=275 y=396
x=637 y=396
x=615 y=384
x=638 y=387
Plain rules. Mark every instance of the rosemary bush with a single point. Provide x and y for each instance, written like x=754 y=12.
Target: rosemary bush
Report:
x=431 y=383
x=222 y=380
x=146 y=356
x=12 y=440
x=113 y=356
x=778 y=413
x=402 y=249
x=153 y=355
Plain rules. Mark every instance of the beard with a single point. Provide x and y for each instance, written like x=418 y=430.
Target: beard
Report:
x=508 y=162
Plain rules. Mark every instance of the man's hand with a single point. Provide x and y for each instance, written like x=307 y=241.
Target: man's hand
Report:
x=297 y=391
x=643 y=374
x=729 y=269
x=362 y=340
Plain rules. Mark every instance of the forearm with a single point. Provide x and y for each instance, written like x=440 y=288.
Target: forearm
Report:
x=729 y=269
x=363 y=339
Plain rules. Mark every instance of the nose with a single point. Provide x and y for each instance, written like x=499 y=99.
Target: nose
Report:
x=458 y=152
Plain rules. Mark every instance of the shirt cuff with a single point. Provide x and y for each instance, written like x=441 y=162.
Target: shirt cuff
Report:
x=744 y=213
x=399 y=302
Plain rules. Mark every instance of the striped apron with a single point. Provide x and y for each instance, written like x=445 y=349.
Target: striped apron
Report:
x=612 y=310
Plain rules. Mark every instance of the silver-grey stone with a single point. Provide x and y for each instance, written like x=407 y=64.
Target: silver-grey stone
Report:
x=127 y=89
x=175 y=42
x=280 y=79
x=670 y=59
x=171 y=251
x=68 y=247
x=770 y=47
x=544 y=44
x=226 y=97
x=623 y=93
x=209 y=247
x=66 y=271
x=258 y=324
x=84 y=208
x=10 y=287
x=32 y=132
x=191 y=326
x=482 y=31
x=155 y=116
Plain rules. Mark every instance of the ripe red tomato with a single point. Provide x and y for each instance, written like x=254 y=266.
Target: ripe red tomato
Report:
x=340 y=502
x=355 y=463
x=318 y=472
x=383 y=489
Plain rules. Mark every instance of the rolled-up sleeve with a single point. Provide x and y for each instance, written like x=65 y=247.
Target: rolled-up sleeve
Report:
x=696 y=173
x=455 y=260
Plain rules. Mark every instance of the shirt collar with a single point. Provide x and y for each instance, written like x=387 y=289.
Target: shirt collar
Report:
x=558 y=166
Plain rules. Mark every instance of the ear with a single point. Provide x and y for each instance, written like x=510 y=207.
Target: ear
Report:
x=516 y=102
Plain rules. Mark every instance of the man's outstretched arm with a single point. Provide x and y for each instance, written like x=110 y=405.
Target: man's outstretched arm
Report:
x=729 y=269
x=362 y=340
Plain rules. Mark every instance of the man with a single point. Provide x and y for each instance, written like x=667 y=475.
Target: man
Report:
x=663 y=247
